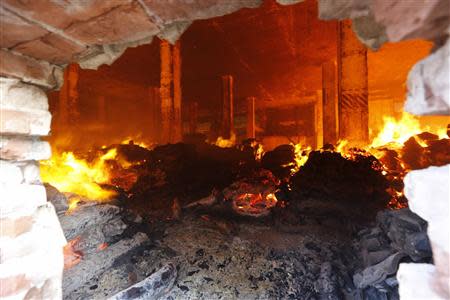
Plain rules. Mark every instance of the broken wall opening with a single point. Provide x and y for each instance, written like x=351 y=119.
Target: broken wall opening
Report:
x=103 y=116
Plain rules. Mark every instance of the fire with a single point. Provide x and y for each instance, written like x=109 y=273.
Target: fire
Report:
x=396 y=132
x=134 y=141
x=68 y=173
x=255 y=204
x=226 y=143
x=301 y=156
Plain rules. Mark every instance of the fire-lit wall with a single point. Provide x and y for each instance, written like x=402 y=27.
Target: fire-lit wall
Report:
x=274 y=53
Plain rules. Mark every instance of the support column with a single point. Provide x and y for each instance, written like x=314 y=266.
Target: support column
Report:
x=227 y=106
x=193 y=117
x=330 y=102
x=31 y=238
x=68 y=97
x=251 y=117
x=177 y=124
x=102 y=110
x=353 y=87
x=318 y=116
x=165 y=92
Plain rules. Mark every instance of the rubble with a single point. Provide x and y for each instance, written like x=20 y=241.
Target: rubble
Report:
x=399 y=235
x=357 y=182
x=152 y=287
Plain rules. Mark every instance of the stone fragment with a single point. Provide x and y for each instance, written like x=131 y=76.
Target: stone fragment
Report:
x=10 y=173
x=428 y=20
x=30 y=70
x=31 y=173
x=153 y=287
x=421 y=186
x=181 y=10
x=15 y=95
x=42 y=257
x=57 y=198
x=406 y=231
x=126 y=23
x=25 y=122
x=20 y=148
x=429 y=84
x=415 y=282
x=379 y=272
x=52 y=48
x=19 y=30
x=61 y=14
x=375 y=257
x=288 y=2
x=172 y=32
x=45 y=226
x=343 y=9
x=20 y=199
x=13 y=227
x=369 y=32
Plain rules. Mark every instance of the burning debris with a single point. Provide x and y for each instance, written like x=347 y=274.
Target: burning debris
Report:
x=128 y=211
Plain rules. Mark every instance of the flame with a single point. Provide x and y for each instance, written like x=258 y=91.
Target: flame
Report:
x=396 y=132
x=68 y=173
x=341 y=146
x=301 y=156
x=226 y=143
x=134 y=141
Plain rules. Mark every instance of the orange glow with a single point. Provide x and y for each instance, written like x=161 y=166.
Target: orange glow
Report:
x=102 y=246
x=226 y=143
x=71 y=256
x=254 y=204
x=301 y=156
x=395 y=132
x=68 y=173
x=134 y=141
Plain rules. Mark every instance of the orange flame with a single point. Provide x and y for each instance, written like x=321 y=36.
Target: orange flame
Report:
x=226 y=143
x=68 y=173
x=396 y=132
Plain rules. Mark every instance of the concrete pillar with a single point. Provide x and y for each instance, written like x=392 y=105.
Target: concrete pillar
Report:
x=193 y=117
x=166 y=92
x=318 y=117
x=330 y=102
x=353 y=93
x=177 y=123
x=68 y=96
x=251 y=117
x=227 y=106
x=102 y=118
x=31 y=238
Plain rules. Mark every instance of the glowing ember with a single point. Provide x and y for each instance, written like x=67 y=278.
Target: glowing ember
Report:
x=68 y=173
x=102 y=246
x=254 y=204
x=71 y=256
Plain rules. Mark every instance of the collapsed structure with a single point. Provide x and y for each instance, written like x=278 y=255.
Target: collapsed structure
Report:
x=293 y=191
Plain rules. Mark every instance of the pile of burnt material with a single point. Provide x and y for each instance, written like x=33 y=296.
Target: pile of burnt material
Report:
x=357 y=183
x=107 y=250
x=185 y=172
x=399 y=236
